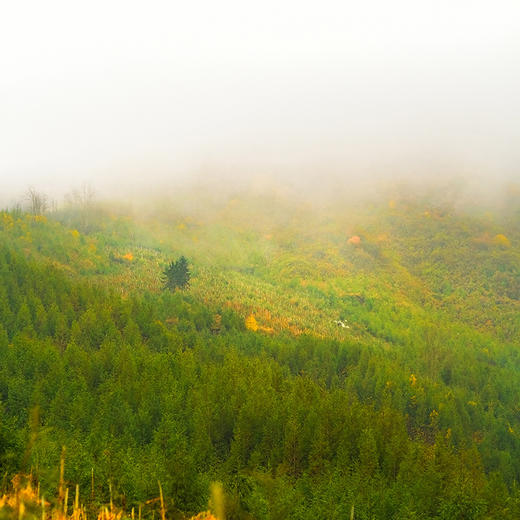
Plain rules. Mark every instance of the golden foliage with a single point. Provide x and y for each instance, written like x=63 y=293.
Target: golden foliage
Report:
x=105 y=514
x=501 y=240
x=24 y=502
x=7 y=220
x=20 y=495
x=205 y=515
x=251 y=323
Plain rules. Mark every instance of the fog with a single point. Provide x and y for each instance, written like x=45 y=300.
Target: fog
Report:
x=136 y=96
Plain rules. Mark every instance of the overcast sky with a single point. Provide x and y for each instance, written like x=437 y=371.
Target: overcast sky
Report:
x=137 y=91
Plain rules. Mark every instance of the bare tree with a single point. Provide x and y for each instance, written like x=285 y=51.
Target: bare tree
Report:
x=37 y=201
x=81 y=208
x=83 y=198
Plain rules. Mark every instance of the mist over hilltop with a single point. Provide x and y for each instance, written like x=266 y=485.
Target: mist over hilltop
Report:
x=324 y=98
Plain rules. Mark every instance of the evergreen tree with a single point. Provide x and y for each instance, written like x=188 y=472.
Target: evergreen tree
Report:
x=177 y=275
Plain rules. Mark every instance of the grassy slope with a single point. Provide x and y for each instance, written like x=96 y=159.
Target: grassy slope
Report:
x=293 y=268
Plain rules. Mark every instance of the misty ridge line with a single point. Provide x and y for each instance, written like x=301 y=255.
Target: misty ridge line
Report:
x=330 y=101
x=207 y=192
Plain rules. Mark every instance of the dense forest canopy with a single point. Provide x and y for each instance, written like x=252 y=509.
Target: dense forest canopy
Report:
x=324 y=361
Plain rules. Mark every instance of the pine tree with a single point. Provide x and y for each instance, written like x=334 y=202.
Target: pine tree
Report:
x=177 y=275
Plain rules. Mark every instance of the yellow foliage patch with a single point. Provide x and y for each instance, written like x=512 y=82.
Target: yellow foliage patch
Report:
x=25 y=494
x=413 y=379
x=501 y=240
x=7 y=220
x=205 y=515
x=128 y=256
x=251 y=323
x=74 y=233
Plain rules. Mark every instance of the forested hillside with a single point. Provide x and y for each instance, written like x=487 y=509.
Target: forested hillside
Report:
x=326 y=361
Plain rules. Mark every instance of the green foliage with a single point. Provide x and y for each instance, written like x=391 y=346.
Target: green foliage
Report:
x=176 y=275
x=409 y=412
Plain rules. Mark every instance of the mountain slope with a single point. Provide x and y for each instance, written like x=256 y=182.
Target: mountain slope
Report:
x=410 y=409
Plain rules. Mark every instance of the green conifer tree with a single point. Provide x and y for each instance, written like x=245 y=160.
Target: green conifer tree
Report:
x=176 y=275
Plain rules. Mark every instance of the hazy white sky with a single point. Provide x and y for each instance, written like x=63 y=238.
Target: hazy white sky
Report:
x=148 y=89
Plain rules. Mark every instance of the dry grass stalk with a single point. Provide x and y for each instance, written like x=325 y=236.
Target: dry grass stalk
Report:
x=163 y=509
x=66 y=502
x=61 y=494
x=24 y=502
